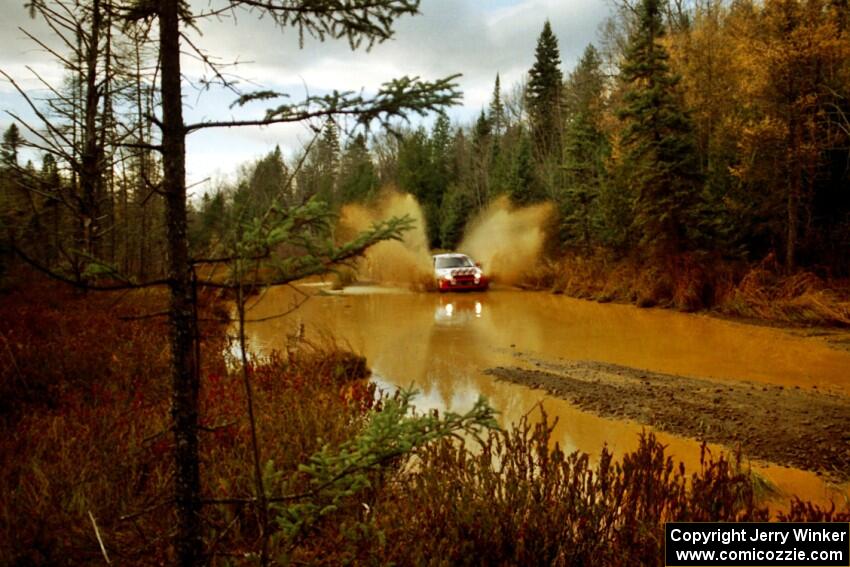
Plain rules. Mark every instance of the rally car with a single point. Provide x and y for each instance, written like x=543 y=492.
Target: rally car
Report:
x=459 y=272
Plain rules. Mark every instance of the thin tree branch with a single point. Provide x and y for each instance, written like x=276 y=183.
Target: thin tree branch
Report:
x=71 y=66
x=147 y=510
x=81 y=284
x=35 y=109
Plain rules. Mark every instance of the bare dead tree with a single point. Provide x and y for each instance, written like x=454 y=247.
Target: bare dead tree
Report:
x=361 y=22
x=75 y=124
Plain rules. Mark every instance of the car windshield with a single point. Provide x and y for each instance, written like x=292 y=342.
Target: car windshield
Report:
x=444 y=262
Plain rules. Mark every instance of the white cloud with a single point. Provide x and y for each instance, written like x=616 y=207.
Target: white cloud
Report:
x=477 y=38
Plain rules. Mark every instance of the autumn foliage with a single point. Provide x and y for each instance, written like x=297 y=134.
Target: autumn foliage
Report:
x=690 y=282
x=86 y=442
x=85 y=414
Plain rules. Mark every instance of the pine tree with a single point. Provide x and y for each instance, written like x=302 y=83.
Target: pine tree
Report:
x=457 y=206
x=482 y=131
x=441 y=155
x=358 y=181
x=482 y=147
x=262 y=184
x=524 y=186
x=659 y=152
x=211 y=225
x=327 y=163
x=586 y=148
x=12 y=142
x=14 y=198
x=496 y=113
x=417 y=176
x=544 y=95
x=11 y=202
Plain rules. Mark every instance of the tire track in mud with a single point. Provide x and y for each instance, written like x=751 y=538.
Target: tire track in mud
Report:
x=806 y=429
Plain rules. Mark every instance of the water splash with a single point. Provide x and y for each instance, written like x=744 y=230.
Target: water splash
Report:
x=406 y=262
x=507 y=240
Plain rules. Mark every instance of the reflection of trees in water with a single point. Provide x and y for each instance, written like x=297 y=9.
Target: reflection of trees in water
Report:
x=404 y=340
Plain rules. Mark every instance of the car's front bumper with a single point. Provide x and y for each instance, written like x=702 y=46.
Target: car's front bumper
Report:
x=463 y=285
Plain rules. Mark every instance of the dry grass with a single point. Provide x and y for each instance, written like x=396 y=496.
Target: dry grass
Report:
x=689 y=283
x=522 y=501
x=85 y=430
x=801 y=298
x=85 y=421
x=517 y=499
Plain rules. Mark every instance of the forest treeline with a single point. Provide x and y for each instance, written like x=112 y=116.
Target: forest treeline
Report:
x=715 y=127
x=711 y=127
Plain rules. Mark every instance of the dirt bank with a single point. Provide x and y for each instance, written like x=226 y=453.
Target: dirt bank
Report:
x=836 y=338
x=761 y=292
x=807 y=429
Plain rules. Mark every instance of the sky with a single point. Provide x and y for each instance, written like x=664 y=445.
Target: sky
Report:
x=477 y=38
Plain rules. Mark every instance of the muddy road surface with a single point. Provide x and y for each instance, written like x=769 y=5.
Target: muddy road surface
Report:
x=443 y=345
x=802 y=428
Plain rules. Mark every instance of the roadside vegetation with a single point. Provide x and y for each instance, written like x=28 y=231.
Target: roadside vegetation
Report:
x=85 y=443
x=763 y=292
x=136 y=431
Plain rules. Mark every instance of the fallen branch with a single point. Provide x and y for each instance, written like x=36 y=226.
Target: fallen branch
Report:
x=99 y=539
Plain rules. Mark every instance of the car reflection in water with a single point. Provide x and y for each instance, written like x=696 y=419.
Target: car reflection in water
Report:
x=457 y=311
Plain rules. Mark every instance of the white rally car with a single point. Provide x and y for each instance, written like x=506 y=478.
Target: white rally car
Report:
x=455 y=272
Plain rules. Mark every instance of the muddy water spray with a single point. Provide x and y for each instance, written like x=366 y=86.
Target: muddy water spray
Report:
x=400 y=262
x=507 y=240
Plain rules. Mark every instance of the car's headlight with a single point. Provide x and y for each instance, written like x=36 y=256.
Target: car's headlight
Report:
x=448 y=277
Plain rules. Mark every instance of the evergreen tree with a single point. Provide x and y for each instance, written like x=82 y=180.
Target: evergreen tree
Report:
x=457 y=205
x=544 y=95
x=499 y=166
x=12 y=142
x=460 y=163
x=482 y=143
x=318 y=174
x=481 y=132
x=524 y=187
x=326 y=162
x=358 y=180
x=659 y=152
x=417 y=176
x=11 y=197
x=50 y=178
x=496 y=113
x=586 y=149
x=214 y=216
x=263 y=184
x=15 y=200
x=441 y=154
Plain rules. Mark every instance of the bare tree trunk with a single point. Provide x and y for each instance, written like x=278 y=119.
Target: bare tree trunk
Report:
x=77 y=102
x=141 y=174
x=185 y=384
x=90 y=162
x=249 y=400
x=795 y=181
x=105 y=165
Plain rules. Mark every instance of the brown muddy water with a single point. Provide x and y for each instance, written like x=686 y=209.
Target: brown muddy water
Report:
x=442 y=344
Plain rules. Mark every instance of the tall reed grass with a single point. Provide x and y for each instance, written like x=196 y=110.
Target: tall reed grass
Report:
x=691 y=283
